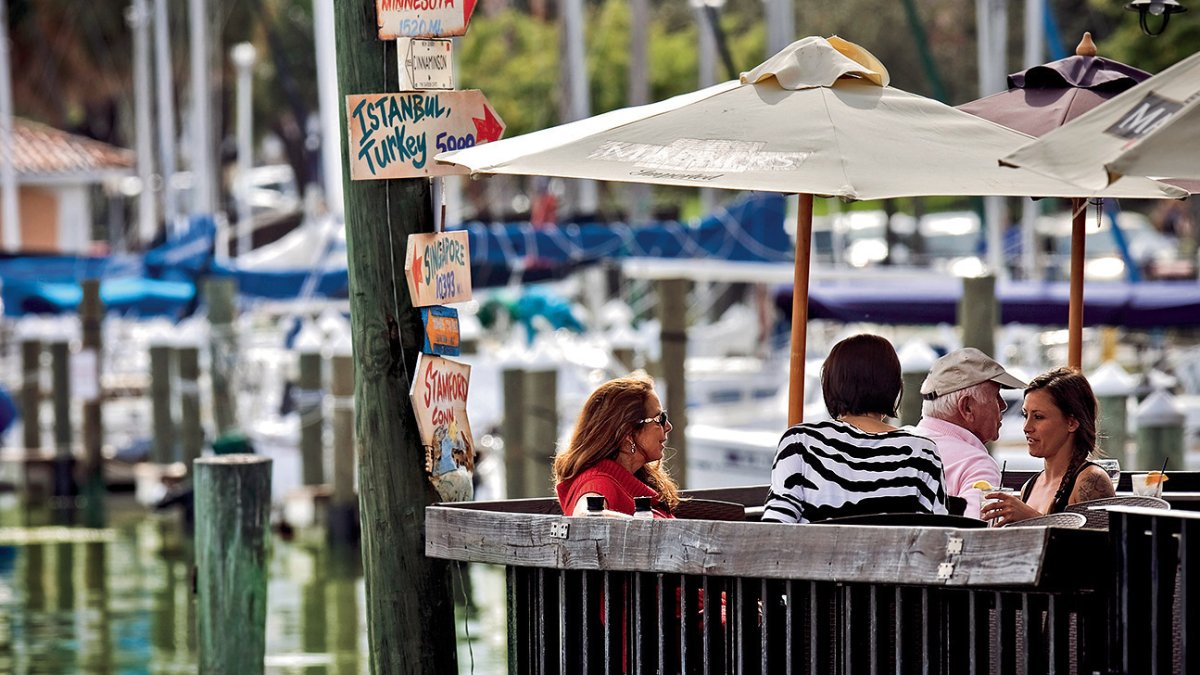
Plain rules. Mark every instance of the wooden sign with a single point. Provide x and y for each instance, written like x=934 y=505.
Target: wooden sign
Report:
x=423 y=18
x=441 y=330
x=439 y=398
x=397 y=135
x=437 y=268
x=427 y=63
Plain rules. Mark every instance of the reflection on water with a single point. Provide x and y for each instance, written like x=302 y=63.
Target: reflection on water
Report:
x=119 y=600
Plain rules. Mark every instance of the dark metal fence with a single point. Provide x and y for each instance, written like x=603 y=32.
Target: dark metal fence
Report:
x=598 y=595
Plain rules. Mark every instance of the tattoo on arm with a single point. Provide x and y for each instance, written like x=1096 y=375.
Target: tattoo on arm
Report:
x=1093 y=485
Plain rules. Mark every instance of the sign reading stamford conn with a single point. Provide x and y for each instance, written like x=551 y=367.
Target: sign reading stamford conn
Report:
x=423 y=18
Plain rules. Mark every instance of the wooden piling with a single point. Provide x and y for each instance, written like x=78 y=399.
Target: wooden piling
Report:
x=512 y=429
x=223 y=341
x=191 y=434
x=31 y=395
x=672 y=312
x=60 y=388
x=978 y=313
x=163 y=448
x=541 y=430
x=409 y=608
x=91 y=312
x=233 y=504
x=309 y=396
x=343 y=514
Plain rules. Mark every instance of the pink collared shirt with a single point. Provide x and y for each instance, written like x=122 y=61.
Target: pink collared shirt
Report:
x=965 y=460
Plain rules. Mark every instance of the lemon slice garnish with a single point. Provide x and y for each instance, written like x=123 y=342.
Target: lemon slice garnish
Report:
x=982 y=485
x=1155 y=477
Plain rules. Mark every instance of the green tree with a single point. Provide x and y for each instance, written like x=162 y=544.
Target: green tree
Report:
x=1127 y=43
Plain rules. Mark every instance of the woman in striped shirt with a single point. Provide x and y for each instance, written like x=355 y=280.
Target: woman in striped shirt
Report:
x=855 y=463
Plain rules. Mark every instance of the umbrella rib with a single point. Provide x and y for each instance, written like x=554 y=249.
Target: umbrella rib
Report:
x=837 y=142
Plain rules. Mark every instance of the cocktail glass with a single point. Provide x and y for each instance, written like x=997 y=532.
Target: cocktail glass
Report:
x=1148 y=484
x=1113 y=468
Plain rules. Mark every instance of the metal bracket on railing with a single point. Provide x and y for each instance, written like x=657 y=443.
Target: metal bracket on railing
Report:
x=954 y=547
x=945 y=571
x=560 y=530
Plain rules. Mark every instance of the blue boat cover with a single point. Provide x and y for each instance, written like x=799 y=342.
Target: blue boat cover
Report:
x=1141 y=305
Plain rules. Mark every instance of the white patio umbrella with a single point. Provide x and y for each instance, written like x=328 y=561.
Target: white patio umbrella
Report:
x=1153 y=129
x=816 y=118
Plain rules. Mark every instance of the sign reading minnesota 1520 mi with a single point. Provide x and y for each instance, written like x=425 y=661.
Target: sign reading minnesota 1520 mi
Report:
x=438 y=268
x=397 y=135
x=423 y=18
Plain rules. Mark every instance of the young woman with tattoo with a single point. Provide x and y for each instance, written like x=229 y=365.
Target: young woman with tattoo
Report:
x=1060 y=427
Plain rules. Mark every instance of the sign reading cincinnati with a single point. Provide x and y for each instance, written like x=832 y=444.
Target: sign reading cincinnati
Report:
x=697 y=159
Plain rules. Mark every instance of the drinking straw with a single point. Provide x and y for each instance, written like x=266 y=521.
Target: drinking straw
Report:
x=1162 y=475
x=1002 y=468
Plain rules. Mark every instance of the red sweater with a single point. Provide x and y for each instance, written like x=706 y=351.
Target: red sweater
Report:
x=610 y=479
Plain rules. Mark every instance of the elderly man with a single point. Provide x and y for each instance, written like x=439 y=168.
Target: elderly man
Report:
x=961 y=412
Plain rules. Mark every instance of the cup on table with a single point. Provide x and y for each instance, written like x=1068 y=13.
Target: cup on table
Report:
x=1148 y=484
x=984 y=501
x=1113 y=468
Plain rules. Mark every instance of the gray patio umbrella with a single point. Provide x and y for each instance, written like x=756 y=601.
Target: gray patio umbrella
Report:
x=1043 y=98
x=1152 y=129
x=816 y=118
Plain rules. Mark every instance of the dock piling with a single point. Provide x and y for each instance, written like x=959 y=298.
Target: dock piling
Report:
x=233 y=502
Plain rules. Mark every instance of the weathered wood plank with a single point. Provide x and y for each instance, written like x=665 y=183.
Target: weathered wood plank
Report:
x=896 y=555
x=233 y=504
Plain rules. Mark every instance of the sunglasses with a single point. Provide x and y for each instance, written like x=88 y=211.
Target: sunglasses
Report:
x=660 y=419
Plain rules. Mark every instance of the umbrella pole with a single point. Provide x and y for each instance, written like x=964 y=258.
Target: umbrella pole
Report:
x=1075 y=309
x=800 y=309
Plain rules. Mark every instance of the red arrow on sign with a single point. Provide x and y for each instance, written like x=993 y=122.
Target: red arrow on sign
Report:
x=488 y=128
x=398 y=135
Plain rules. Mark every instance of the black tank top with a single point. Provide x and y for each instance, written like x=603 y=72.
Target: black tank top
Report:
x=1060 y=503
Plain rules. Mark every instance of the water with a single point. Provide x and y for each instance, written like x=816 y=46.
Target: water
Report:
x=119 y=600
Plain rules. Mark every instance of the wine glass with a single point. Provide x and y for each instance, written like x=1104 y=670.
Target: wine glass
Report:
x=1113 y=468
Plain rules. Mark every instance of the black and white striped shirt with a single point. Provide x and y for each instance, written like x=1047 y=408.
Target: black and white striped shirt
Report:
x=830 y=469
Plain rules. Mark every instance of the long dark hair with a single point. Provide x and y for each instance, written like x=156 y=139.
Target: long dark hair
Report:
x=1072 y=394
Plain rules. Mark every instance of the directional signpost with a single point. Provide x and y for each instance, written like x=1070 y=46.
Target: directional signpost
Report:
x=427 y=63
x=397 y=135
x=437 y=268
x=394 y=135
x=423 y=18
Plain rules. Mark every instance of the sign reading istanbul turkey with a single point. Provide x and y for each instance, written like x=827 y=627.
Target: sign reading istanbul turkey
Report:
x=439 y=398
x=437 y=268
x=423 y=18
x=397 y=135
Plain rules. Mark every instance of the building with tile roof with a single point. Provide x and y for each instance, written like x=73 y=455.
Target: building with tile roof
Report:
x=57 y=176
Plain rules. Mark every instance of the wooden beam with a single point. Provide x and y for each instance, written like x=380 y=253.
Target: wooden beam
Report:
x=409 y=606
x=850 y=553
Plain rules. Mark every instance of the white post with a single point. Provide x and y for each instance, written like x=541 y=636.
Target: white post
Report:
x=781 y=24
x=639 y=196
x=8 y=172
x=137 y=16
x=991 y=17
x=166 y=116
x=243 y=56
x=1035 y=47
x=579 y=100
x=707 y=60
x=329 y=105
x=203 y=196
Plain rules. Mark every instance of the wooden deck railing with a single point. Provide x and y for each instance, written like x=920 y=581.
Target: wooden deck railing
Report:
x=599 y=595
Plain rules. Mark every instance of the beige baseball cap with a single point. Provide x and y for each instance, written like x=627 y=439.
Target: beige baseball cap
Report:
x=963 y=368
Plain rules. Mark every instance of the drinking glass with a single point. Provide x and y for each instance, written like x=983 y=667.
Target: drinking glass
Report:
x=1113 y=468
